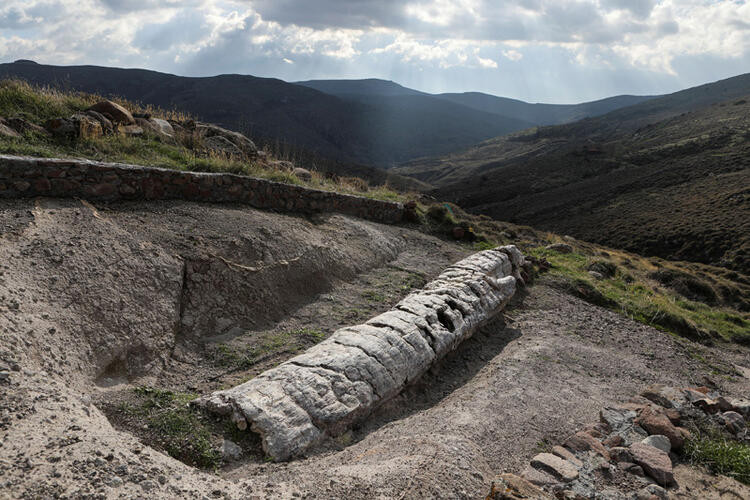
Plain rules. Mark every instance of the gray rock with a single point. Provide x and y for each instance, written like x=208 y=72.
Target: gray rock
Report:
x=114 y=482
x=341 y=380
x=231 y=451
x=659 y=441
x=733 y=421
x=652 y=490
x=558 y=467
x=302 y=174
x=148 y=485
x=242 y=143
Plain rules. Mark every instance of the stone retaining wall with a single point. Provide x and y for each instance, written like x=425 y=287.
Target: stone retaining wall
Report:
x=27 y=177
x=341 y=380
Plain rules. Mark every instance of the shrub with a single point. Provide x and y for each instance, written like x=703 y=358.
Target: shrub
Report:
x=689 y=286
x=710 y=448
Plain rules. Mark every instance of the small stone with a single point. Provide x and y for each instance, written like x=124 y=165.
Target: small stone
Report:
x=510 y=486
x=231 y=451
x=566 y=455
x=148 y=485
x=659 y=441
x=665 y=396
x=596 y=275
x=4 y=376
x=555 y=465
x=733 y=421
x=538 y=477
x=652 y=491
x=613 y=440
x=634 y=469
x=620 y=454
x=709 y=406
x=654 y=461
x=114 y=482
x=582 y=441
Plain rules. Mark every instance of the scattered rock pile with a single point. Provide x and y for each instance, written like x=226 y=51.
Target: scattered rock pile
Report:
x=629 y=453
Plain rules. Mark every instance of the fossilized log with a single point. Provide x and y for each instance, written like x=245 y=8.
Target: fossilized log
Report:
x=342 y=379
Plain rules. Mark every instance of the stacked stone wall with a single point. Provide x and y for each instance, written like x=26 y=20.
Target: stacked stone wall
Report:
x=63 y=178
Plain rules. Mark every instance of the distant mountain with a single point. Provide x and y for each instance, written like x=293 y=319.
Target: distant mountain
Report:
x=527 y=113
x=669 y=176
x=369 y=86
x=543 y=114
x=383 y=131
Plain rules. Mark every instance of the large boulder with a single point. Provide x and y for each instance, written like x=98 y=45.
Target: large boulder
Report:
x=163 y=127
x=114 y=112
x=207 y=130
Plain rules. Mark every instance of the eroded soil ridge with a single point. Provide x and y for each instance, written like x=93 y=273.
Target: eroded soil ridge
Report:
x=341 y=380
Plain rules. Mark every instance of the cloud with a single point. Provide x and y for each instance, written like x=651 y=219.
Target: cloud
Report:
x=435 y=44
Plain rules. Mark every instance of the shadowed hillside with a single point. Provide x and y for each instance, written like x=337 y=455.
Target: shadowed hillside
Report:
x=666 y=177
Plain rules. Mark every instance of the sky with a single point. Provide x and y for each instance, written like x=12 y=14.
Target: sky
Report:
x=561 y=51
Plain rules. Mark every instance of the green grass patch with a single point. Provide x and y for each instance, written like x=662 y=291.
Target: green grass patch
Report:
x=635 y=295
x=710 y=448
x=374 y=296
x=245 y=356
x=178 y=428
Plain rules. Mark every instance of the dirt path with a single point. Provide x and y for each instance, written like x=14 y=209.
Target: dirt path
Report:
x=496 y=401
x=98 y=300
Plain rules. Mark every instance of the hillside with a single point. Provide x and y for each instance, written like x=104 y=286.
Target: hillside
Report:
x=277 y=113
x=657 y=178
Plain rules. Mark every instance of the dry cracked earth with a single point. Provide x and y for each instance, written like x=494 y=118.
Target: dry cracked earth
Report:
x=98 y=300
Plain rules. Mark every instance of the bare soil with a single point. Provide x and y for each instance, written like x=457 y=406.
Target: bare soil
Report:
x=95 y=301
